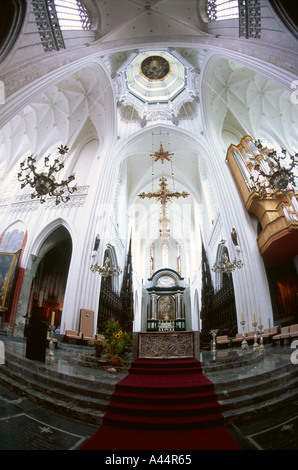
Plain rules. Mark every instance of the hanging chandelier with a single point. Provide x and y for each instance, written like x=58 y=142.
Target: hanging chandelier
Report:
x=272 y=176
x=225 y=266
x=44 y=183
x=107 y=269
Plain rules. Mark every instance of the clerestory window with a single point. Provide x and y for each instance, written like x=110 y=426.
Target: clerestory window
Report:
x=222 y=9
x=72 y=15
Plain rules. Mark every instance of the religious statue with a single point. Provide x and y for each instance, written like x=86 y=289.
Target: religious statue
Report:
x=96 y=243
x=234 y=237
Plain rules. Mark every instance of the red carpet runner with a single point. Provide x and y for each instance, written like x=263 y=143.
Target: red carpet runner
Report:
x=163 y=405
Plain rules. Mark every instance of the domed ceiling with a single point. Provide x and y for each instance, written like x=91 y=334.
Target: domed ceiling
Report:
x=155 y=76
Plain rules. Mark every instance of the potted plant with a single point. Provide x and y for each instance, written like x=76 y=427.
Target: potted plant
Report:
x=100 y=344
x=118 y=342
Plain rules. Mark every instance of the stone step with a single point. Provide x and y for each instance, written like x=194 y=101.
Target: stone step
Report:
x=69 y=383
x=241 y=396
x=86 y=398
x=263 y=400
x=234 y=415
x=169 y=423
x=52 y=403
x=78 y=398
x=278 y=378
x=59 y=389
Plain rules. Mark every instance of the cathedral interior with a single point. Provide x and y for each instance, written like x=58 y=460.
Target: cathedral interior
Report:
x=148 y=168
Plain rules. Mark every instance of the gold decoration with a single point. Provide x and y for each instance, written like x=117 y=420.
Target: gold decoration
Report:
x=161 y=155
x=45 y=183
x=163 y=195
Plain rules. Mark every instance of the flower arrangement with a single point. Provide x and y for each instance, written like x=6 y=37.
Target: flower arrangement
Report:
x=118 y=341
x=114 y=341
x=99 y=344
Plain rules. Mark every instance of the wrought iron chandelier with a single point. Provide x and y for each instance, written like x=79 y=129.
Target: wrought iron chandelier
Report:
x=225 y=266
x=44 y=182
x=276 y=178
x=107 y=269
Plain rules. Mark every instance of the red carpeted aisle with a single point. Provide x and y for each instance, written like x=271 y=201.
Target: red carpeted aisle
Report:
x=163 y=405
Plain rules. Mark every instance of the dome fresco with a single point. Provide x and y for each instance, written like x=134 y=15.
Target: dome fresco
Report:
x=155 y=76
x=155 y=67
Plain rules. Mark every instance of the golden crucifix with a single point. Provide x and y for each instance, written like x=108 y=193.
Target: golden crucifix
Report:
x=164 y=195
x=161 y=155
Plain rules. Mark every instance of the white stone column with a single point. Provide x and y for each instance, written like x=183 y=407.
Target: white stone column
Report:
x=153 y=307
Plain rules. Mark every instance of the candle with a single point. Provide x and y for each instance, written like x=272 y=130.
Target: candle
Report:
x=254 y=318
x=242 y=316
x=260 y=320
x=53 y=319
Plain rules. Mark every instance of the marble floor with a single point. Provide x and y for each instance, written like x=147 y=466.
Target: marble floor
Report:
x=28 y=426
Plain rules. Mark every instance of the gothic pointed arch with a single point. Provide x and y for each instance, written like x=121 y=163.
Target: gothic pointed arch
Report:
x=50 y=273
x=110 y=305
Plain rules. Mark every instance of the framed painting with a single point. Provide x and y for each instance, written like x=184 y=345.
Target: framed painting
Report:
x=166 y=308
x=8 y=269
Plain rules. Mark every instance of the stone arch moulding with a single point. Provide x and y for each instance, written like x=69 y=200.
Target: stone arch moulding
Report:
x=44 y=234
x=110 y=252
x=48 y=277
x=221 y=249
x=17 y=224
x=166 y=272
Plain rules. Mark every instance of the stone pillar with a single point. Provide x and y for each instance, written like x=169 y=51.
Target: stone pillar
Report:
x=152 y=312
x=153 y=307
x=180 y=312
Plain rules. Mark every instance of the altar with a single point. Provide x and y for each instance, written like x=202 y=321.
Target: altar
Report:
x=168 y=345
x=166 y=312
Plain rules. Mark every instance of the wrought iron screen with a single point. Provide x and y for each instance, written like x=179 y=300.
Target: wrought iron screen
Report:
x=48 y=25
x=52 y=16
x=250 y=19
x=248 y=12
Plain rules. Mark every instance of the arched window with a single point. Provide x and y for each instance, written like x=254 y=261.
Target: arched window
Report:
x=178 y=255
x=165 y=256
x=222 y=9
x=151 y=259
x=72 y=14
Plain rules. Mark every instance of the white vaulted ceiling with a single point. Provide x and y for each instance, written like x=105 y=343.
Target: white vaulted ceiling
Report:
x=229 y=98
x=261 y=106
x=75 y=108
x=127 y=19
x=55 y=117
x=237 y=96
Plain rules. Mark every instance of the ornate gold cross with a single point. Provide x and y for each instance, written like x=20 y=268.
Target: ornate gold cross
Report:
x=163 y=195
